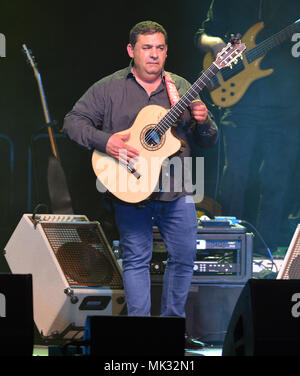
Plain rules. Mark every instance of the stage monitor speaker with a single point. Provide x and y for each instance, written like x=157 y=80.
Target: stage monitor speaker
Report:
x=135 y=336
x=265 y=320
x=74 y=271
x=290 y=268
x=16 y=315
x=208 y=310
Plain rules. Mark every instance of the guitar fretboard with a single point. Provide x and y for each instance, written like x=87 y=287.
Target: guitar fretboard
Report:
x=271 y=42
x=169 y=119
x=258 y=51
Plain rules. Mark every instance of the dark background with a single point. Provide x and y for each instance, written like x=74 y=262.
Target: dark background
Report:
x=75 y=43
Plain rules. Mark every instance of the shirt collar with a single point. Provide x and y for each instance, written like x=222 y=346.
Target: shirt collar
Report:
x=131 y=75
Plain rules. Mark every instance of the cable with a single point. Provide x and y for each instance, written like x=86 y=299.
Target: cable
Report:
x=262 y=240
x=37 y=208
x=218 y=166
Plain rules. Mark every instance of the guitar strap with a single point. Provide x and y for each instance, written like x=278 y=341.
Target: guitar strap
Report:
x=171 y=89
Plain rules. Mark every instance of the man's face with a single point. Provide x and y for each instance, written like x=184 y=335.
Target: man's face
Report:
x=149 y=55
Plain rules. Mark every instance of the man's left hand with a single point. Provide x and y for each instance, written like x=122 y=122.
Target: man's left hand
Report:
x=199 y=111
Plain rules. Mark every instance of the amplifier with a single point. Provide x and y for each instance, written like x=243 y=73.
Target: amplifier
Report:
x=223 y=255
x=218 y=257
x=59 y=218
x=74 y=272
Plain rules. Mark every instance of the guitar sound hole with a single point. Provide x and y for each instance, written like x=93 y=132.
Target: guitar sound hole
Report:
x=152 y=138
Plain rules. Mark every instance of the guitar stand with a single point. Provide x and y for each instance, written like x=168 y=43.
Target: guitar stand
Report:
x=58 y=345
x=60 y=339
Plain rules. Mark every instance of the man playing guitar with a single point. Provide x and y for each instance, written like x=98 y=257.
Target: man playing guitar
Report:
x=111 y=105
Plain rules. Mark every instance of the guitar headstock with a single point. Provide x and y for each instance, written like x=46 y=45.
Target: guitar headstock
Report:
x=230 y=53
x=30 y=57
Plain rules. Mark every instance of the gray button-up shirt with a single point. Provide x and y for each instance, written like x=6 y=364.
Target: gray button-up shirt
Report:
x=112 y=104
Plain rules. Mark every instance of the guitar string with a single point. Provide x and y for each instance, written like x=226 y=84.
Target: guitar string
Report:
x=259 y=50
x=169 y=118
x=274 y=40
x=163 y=124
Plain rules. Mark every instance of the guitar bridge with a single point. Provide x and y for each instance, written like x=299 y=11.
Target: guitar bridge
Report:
x=132 y=170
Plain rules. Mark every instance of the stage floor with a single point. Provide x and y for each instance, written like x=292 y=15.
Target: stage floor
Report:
x=206 y=351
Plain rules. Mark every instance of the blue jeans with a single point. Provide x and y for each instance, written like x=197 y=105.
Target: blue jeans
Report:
x=177 y=222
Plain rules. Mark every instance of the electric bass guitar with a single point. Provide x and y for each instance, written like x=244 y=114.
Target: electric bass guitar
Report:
x=229 y=86
x=153 y=135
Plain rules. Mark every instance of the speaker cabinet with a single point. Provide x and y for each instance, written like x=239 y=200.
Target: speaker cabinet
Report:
x=16 y=315
x=134 y=336
x=208 y=310
x=74 y=271
x=265 y=320
x=291 y=264
x=222 y=267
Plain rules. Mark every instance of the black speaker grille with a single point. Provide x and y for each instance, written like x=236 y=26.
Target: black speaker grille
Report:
x=83 y=254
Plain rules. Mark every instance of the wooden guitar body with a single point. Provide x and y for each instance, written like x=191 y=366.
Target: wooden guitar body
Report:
x=136 y=186
x=153 y=135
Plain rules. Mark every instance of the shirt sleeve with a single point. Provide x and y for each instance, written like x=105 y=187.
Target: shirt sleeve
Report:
x=84 y=122
x=207 y=133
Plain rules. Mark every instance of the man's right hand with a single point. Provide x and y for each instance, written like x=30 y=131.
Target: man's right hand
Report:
x=117 y=148
x=212 y=44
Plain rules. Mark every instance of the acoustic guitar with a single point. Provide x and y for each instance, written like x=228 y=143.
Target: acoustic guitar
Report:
x=57 y=183
x=153 y=135
x=229 y=86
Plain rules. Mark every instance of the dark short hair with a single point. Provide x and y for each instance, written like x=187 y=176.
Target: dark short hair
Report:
x=146 y=27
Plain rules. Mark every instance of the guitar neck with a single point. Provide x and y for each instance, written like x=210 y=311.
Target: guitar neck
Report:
x=169 y=119
x=271 y=42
